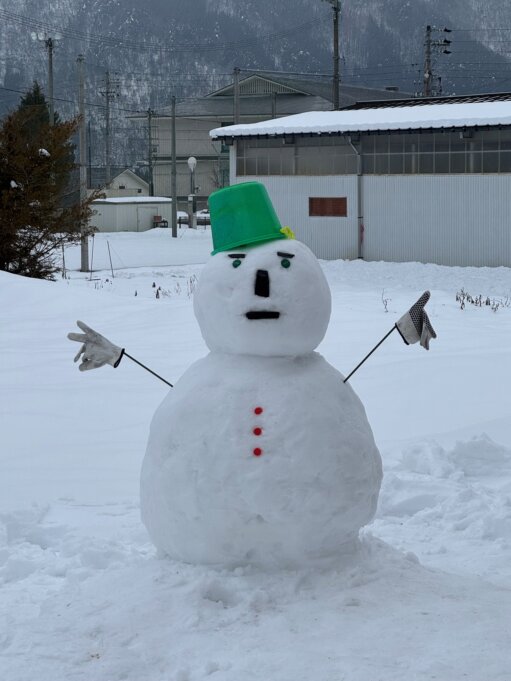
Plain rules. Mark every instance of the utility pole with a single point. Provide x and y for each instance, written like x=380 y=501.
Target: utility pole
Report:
x=50 y=45
x=428 y=75
x=336 y=75
x=108 y=149
x=236 y=95
x=109 y=93
x=336 y=54
x=429 y=87
x=84 y=240
x=150 y=149
x=173 y=176
x=89 y=153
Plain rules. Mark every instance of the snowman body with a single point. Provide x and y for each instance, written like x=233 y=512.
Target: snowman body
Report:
x=260 y=454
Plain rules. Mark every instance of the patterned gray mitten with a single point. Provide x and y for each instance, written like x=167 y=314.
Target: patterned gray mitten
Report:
x=415 y=326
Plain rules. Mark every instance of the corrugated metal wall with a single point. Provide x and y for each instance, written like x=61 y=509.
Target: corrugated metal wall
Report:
x=129 y=217
x=447 y=219
x=328 y=237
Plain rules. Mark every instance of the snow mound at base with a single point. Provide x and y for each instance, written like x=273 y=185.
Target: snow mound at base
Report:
x=480 y=456
x=377 y=615
x=451 y=503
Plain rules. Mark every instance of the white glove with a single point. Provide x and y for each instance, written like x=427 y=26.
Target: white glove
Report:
x=96 y=349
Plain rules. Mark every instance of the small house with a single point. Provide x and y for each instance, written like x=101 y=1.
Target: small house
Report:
x=125 y=182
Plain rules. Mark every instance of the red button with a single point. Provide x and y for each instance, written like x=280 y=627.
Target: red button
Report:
x=258 y=410
x=258 y=451
x=257 y=431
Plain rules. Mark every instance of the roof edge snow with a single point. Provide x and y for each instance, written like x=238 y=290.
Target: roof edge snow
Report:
x=134 y=199
x=384 y=119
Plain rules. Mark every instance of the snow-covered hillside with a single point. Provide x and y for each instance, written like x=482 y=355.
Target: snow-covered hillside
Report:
x=157 y=49
x=83 y=594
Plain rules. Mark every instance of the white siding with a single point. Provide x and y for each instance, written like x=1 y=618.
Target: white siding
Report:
x=104 y=218
x=328 y=237
x=447 y=219
x=129 y=217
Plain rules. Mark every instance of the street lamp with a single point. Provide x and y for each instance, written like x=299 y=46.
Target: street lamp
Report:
x=192 y=164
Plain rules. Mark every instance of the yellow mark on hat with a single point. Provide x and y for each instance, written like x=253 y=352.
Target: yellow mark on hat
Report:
x=288 y=232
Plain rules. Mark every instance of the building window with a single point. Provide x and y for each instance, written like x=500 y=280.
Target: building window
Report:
x=303 y=156
x=328 y=207
x=437 y=153
x=421 y=153
x=224 y=148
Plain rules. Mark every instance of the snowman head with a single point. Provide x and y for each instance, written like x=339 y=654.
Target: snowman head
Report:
x=266 y=296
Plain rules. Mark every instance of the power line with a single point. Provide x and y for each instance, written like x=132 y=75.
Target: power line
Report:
x=478 y=30
x=471 y=42
x=294 y=73
x=112 y=41
x=146 y=74
x=72 y=101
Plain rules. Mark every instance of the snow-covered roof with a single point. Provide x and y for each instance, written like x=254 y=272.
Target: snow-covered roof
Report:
x=135 y=199
x=459 y=115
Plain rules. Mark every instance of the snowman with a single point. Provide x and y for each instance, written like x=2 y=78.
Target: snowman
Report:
x=260 y=454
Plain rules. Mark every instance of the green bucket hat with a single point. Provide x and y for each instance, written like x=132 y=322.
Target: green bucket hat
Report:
x=243 y=215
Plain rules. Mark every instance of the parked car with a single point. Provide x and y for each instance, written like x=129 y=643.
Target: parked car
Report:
x=203 y=217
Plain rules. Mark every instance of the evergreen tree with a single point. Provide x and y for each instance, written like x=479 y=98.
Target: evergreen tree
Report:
x=35 y=101
x=35 y=164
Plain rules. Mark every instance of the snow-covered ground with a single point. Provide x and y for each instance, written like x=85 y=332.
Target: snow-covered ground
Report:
x=83 y=595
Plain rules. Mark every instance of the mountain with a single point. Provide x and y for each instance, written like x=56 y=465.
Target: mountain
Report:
x=163 y=47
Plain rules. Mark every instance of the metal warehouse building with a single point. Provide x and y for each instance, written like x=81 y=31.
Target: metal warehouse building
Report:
x=415 y=180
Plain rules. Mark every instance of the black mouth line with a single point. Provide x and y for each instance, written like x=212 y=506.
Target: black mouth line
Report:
x=262 y=314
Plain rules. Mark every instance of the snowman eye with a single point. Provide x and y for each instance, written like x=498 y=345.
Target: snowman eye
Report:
x=286 y=259
x=236 y=258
